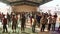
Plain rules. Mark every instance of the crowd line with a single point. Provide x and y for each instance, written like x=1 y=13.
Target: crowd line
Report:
x=36 y=18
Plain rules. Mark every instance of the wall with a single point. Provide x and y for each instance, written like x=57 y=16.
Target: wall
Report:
x=24 y=8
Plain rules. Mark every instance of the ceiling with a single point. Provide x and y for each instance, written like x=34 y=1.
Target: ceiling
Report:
x=36 y=1
x=25 y=0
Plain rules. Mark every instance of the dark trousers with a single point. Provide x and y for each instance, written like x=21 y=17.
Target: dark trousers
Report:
x=33 y=28
x=38 y=23
x=49 y=26
x=13 y=27
x=4 y=28
x=22 y=27
x=53 y=26
x=43 y=27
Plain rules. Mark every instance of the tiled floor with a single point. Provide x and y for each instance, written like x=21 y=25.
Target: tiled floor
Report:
x=28 y=30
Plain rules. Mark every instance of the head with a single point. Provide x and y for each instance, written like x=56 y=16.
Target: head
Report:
x=55 y=13
x=5 y=16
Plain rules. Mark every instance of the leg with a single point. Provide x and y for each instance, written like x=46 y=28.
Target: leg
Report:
x=39 y=24
x=15 y=28
x=43 y=27
x=24 y=26
x=33 y=28
x=21 y=27
x=3 y=28
x=54 y=26
x=6 y=28
x=49 y=26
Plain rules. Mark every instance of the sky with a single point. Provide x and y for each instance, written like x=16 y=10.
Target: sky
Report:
x=4 y=8
x=53 y=5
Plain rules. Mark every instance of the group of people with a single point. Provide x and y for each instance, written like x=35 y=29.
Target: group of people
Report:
x=50 y=20
x=44 y=19
x=6 y=20
x=39 y=19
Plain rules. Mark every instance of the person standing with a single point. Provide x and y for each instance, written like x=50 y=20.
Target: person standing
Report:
x=16 y=20
x=54 y=21
x=43 y=23
x=9 y=19
x=50 y=22
x=31 y=19
x=23 y=19
x=4 y=22
x=34 y=24
x=38 y=17
x=14 y=23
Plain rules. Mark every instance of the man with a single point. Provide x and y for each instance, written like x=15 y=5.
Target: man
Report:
x=50 y=22
x=23 y=19
x=43 y=23
x=54 y=21
x=31 y=18
x=14 y=23
x=4 y=24
x=34 y=24
x=9 y=19
x=38 y=17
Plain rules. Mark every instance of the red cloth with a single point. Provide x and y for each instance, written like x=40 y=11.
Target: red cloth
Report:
x=4 y=21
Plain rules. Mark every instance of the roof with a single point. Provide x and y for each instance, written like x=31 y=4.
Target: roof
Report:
x=27 y=2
